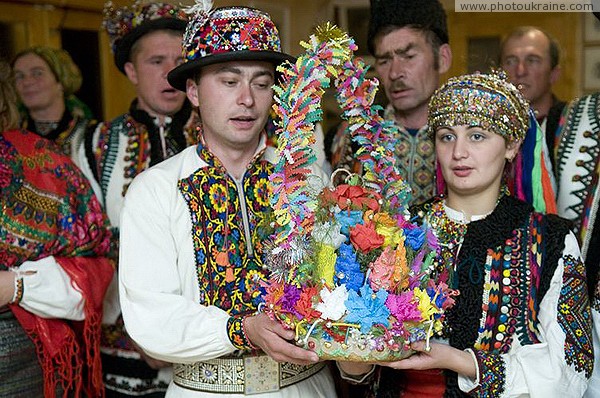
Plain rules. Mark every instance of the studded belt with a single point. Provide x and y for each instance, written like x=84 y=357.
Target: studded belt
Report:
x=254 y=374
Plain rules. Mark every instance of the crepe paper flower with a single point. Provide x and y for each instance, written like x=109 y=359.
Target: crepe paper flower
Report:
x=403 y=307
x=347 y=219
x=365 y=238
x=332 y=305
x=306 y=302
x=290 y=297
x=328 y=233
x=415 y=237
x=355 y=197
x=325 y=266
x=347 y=268
x=427 y=303
x=367 y=308
x=273 y=292
x=382 y=270
x=441 y=294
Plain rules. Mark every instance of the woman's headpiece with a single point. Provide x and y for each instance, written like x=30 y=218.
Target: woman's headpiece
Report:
x=486 y=100
x=61 y=64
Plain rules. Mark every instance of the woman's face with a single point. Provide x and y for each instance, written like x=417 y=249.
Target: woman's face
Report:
x=36 y=84
x=472 y=160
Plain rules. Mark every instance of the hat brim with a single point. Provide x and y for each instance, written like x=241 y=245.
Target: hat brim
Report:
x=178 y=76
x=123 y=47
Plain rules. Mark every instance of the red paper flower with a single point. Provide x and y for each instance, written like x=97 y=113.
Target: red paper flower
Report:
x=365 y=238
x=305 y=303
x=353 y=197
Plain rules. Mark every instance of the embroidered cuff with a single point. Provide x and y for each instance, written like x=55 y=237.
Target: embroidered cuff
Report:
x=237 y=333
x=356 y=379
x=491 y=374
x=19 y=287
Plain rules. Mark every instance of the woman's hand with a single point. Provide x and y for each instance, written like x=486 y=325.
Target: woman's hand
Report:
x=438 y=356
x=7 y=287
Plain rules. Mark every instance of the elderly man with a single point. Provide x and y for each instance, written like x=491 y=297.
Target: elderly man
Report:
x=409 y=41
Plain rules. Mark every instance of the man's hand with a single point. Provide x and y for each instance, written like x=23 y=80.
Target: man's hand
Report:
x=274 y=340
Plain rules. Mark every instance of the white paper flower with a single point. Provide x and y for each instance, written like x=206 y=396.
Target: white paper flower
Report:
x=333 y=305
x=328 y=233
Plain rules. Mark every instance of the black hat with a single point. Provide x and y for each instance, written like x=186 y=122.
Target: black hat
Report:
x=126 y=25
x=423 y=14
x=227 y=34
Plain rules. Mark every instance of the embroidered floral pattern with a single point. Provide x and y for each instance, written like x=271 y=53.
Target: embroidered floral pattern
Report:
x=218 y=220
x=575 y=318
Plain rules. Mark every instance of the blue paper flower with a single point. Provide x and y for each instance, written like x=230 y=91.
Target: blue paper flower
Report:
x=415 y=237
x=367 y=308
x=348 y=219
x=347 y=268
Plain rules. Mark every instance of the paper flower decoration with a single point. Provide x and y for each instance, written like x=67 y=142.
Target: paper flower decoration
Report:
x=349 y=272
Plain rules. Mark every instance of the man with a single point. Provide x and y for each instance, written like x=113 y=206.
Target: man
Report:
x=146 y=43
x=530 y=56
x=409 y=41
x=191 y=271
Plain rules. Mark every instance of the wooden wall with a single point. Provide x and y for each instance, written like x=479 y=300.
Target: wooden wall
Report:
x=33 y=24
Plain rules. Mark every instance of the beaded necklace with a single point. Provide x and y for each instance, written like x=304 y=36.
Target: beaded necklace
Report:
x=450 y=235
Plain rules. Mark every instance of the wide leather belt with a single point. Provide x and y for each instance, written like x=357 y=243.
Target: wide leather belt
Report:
x=248 y=375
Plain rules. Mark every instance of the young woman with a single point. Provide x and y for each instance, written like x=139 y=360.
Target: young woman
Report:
x=521 y=324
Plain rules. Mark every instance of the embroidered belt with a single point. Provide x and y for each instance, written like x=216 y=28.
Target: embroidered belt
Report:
x=247 y=375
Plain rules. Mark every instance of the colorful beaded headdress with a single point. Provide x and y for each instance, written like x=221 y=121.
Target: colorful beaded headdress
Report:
x=485 y=100
x=226 y=34
x=349 y=272
x=492 y=103
x=126 y=25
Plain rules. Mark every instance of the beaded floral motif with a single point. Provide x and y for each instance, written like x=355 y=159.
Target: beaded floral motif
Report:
x=575 y=318
x=239 y=29
x=119 y=22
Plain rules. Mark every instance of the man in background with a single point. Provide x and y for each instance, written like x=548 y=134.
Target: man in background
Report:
x=409 y=41
x=531 y=58
x=146 y=43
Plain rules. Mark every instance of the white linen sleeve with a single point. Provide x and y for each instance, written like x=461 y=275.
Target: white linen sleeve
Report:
x=157 y=276
x=560 y=364
x=49 y=292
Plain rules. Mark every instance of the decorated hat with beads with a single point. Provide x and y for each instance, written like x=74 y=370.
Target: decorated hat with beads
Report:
x=226 y=34
x=423 y=14
x=126 y=25
x=486 y=100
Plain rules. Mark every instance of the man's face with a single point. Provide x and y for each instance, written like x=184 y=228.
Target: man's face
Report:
x=526 y=59
x=155 y=54
x=406 y=65
x=234 y=99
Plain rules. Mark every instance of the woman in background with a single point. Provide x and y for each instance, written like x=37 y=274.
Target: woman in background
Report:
x=53 y=276
x=47 y=79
